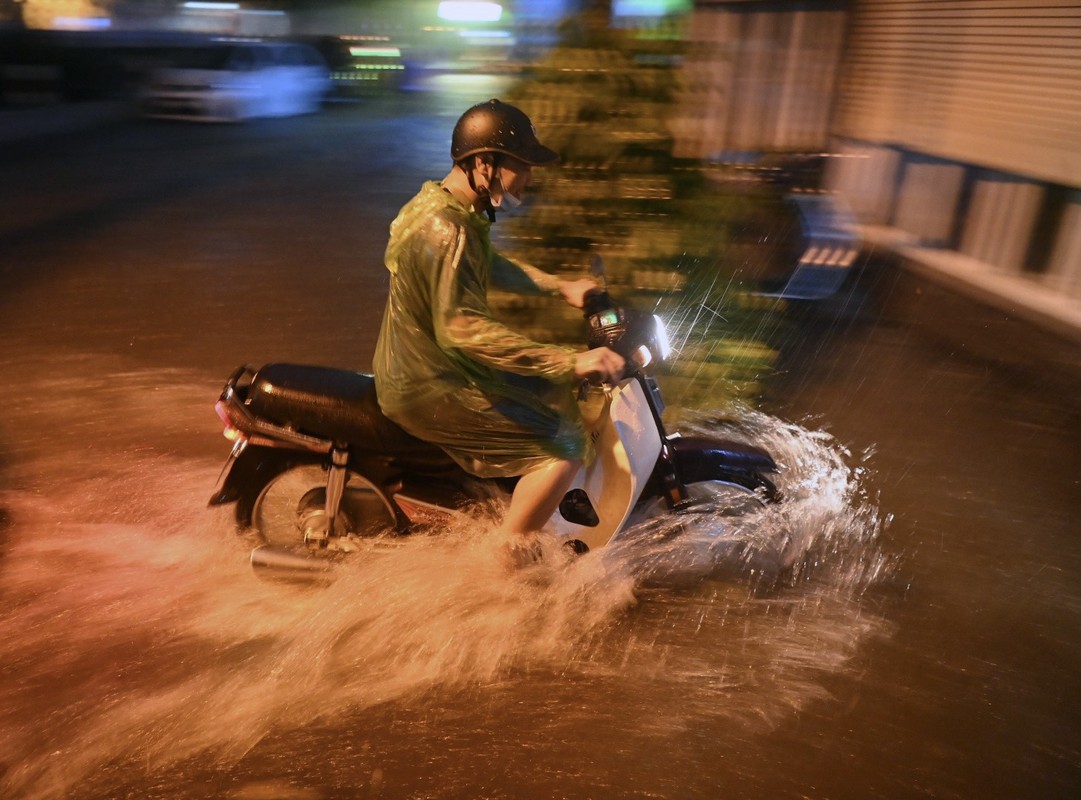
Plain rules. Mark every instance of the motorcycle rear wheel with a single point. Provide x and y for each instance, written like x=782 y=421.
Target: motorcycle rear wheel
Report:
x=290 y=512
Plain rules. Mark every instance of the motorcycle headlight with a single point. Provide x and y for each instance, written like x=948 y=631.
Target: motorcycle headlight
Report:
x=660 y=338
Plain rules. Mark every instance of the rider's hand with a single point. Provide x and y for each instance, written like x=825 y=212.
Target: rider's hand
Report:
x=600 y=363
x=574 y=292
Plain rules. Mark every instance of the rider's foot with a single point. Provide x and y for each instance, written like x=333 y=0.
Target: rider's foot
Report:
x=522 y=552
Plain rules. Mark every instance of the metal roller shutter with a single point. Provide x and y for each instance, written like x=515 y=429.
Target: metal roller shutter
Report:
x=989 y=82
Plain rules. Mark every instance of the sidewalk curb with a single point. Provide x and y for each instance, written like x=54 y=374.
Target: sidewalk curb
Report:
x=1016 y=295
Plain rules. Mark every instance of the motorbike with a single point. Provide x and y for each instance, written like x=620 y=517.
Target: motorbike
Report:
x=317 y=469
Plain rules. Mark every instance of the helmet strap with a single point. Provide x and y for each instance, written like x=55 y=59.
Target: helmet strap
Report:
x=484 y=193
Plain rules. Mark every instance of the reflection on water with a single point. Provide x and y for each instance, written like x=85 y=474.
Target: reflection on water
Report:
x=136 y=638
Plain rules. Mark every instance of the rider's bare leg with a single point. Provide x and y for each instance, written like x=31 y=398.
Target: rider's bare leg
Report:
x=537 y=496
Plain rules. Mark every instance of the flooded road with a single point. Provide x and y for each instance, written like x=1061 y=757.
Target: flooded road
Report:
x=927 y=647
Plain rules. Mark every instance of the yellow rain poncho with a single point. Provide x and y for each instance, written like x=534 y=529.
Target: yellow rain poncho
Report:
x=499 y=403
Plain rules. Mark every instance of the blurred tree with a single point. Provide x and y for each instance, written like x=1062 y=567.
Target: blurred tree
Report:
x=668 y=233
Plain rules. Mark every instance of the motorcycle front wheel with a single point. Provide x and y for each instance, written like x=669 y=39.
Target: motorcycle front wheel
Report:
x=715 y=498
x=290 y=511
x=724 y=499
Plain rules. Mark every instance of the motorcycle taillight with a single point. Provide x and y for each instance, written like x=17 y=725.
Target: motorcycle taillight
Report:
x=231 y=432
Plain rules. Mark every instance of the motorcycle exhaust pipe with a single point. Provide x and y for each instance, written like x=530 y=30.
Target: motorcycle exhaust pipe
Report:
x=270 y=562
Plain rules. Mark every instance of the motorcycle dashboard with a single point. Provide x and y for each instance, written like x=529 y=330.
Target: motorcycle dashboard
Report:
x=606 y=319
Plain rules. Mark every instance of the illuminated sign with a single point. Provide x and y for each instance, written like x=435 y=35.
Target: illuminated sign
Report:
x=375 y=52
x=205 y=6
x=467 y=11
x=649 y=8
x=82 y=23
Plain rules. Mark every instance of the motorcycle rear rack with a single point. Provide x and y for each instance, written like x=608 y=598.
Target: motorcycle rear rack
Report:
x=234 y=412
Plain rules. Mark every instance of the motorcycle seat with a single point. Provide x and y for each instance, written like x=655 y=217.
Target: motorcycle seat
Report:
x=339 y=405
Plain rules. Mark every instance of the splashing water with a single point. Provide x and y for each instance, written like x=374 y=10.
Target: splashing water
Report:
x=135 y=634
x=825 y=520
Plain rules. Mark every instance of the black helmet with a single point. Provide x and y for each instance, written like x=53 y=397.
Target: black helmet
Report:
x=498 y=127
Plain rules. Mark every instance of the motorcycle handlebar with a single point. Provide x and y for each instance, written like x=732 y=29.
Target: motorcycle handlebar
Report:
x=596 y=300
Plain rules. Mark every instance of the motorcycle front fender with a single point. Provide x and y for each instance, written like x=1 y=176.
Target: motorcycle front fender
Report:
x=702 y=458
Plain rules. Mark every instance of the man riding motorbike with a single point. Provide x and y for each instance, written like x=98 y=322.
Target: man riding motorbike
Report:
x=497 y=402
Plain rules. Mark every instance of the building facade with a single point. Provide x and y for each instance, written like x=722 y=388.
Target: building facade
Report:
x=953 y=126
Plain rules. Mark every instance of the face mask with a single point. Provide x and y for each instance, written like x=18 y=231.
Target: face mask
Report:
x=500 y=197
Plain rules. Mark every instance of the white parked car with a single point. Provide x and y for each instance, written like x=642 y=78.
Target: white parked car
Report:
x=232 y=80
